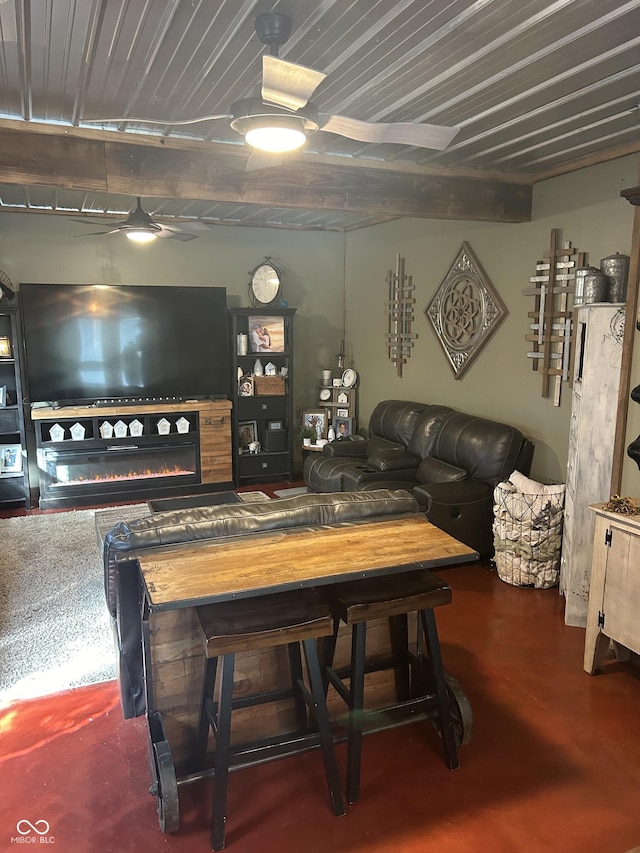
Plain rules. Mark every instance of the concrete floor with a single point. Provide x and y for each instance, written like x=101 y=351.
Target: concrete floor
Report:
x=553 y=764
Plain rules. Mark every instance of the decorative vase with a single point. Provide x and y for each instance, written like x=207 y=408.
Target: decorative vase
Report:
x=616 y=268
x=596 y=287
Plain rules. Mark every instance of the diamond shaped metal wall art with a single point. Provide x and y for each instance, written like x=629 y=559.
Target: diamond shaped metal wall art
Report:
x=465 y=311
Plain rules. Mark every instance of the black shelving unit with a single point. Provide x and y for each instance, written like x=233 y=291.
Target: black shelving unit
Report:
x=267 y=412
x=14 y=470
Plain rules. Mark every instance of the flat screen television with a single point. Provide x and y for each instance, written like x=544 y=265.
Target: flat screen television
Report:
x=88 y=343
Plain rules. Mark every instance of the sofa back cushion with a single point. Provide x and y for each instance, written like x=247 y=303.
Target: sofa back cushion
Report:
x=427 y=429
x=212 y=522
x=392 y=423
x=486 y=450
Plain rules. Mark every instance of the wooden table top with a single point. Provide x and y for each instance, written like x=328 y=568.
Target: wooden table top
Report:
x=189 y=575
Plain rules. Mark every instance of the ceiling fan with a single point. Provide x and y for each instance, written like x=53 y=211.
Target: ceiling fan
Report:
x=284 y=116
x=141 y=228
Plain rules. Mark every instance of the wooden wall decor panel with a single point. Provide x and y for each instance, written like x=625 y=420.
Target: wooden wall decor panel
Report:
x=400 y=306
x=552 y=320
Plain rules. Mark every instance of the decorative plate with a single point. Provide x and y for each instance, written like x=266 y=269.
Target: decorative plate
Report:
x=349 y=378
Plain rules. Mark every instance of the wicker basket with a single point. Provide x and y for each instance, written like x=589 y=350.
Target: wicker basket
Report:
x=527 y=532
x=269 y=385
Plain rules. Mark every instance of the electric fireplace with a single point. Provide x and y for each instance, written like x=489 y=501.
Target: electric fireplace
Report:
x=72 y=473
x=88 y=455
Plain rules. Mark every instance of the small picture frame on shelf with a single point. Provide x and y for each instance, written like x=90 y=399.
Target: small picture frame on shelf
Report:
x=342 y=413
x=247 y=434
x=245 y=386
x=343 y=427
x=3 y=396
x=266 y=334
x=10 y=459
x=316 y=420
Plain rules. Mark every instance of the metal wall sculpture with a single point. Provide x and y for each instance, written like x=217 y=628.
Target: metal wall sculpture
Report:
x=400 y=307
x=552 y=323
x=465 y=311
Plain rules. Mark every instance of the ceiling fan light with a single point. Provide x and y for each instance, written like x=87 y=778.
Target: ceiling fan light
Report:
x=276 y=134
x=141 y=235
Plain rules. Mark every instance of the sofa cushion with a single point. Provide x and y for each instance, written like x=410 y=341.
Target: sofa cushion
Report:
x=486 y=450
x=427 y=429
x=225 y=520
x=395 y=420
x=435 y=471
x=325 y=475
x=392 y=460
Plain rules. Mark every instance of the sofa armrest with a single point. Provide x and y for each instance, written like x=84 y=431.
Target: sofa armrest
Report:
x=347 y=447
x=463 y=509
x=392 y=460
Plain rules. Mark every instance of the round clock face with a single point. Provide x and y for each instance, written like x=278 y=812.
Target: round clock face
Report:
x=265 y=283
x=325 y=393
x=349 y=378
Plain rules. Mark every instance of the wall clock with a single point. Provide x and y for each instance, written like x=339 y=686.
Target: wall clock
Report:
x=325 y=394
x=349 y=378
x=264 y=283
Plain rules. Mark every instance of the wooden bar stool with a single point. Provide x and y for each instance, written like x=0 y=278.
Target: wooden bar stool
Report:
x=420 y=678
x=292 y=618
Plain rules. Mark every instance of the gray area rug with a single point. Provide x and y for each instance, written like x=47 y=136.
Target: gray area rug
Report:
x=55 y=631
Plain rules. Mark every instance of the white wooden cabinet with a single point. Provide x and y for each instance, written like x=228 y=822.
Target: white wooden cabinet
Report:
x=599 y=330
x=614 y=596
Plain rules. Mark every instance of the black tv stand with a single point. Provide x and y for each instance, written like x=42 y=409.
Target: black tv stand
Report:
x=163 y=457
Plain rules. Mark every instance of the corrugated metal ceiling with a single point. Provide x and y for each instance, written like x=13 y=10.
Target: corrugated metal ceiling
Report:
x=533 y=85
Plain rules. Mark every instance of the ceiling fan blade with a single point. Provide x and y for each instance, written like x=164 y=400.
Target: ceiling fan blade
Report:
x=98 y=233
x=86 y=221
x=174 y=234
x=287 y=84
x=401 y=133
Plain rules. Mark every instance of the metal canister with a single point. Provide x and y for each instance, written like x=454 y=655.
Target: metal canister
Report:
x=578 y=296
x=596 y=286
x=616 y=268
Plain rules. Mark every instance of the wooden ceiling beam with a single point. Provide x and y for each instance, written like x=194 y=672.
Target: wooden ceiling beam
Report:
x=217 y=173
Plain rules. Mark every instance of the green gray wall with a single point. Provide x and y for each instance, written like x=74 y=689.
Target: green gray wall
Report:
x=337 y=283
x=500 y=384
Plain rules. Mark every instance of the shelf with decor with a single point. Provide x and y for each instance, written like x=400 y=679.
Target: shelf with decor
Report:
x=262 y=393
x=341 y=405
x=14 y=472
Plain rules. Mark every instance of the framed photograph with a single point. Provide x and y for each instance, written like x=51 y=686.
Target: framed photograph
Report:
x=10 y=459
x=343 y=427
x=245 y=386
x=266 y=334
x=3 y=395
x=247 y=432
x=316 y=420
x=342 y=413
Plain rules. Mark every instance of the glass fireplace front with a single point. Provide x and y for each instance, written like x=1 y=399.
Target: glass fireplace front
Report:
x=78 y=472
